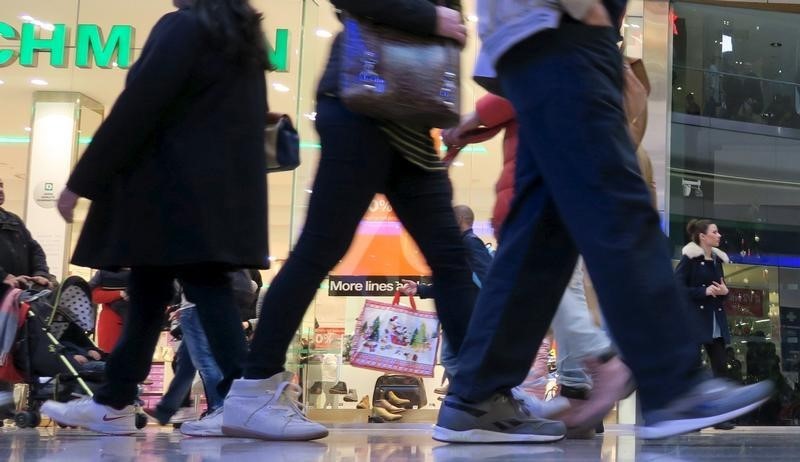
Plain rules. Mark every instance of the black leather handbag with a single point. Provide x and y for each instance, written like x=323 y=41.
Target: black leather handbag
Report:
x=281 y=143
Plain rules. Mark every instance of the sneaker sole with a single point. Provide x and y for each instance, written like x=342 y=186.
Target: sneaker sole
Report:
x=486 y=436
x=230 y=430
x=201 y=434
x=678 y=427
x=97 y=428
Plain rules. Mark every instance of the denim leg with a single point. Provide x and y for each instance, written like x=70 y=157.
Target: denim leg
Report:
x=181 y=384
x=577 y=336
x=578 y=188
x=423 y=201
x=354 y=163
x=209 y=288
x=194 y=337
x=449 y=358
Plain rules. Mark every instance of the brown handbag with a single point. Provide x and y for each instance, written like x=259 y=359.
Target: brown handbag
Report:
x=394 y=75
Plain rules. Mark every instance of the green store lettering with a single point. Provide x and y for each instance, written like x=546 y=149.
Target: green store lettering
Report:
x=93 y=47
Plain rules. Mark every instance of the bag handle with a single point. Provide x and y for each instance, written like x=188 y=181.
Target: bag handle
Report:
x=411 y=301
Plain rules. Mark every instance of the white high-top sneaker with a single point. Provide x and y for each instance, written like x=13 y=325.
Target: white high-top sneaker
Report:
x=85 y=413
x=268 y=409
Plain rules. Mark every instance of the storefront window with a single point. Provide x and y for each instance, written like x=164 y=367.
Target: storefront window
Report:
x=300 y=33
x=734 y=145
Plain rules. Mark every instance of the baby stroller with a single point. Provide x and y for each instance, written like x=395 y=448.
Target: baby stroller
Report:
x=54 y=330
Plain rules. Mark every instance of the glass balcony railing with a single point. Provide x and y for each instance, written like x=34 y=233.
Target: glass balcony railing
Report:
x=737 y=97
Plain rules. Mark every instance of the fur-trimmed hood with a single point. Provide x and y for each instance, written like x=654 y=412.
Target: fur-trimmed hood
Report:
x=693 y=250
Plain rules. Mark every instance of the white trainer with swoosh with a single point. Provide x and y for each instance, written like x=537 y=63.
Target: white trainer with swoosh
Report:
x=86 y=413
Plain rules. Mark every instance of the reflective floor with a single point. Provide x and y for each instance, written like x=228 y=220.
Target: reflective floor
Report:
x=385 y=443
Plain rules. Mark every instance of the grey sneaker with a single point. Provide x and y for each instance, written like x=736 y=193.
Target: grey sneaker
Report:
x=500 y=419
x=540 y=408
x=709 y=403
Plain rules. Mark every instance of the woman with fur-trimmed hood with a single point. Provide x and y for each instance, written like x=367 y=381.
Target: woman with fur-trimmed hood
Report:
x=700 y=270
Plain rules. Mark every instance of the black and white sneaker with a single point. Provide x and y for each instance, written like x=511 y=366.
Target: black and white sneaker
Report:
x=499 y=419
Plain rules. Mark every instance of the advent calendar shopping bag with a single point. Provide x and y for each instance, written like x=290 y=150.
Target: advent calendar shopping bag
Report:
x=395 y=338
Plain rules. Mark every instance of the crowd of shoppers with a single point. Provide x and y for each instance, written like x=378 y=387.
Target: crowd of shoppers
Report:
x=191 y=173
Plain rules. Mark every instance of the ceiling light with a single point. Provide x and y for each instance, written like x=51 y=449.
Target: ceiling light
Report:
x=27 y=129
x=322 y=33
x=39 y=82
x=280 y=87
x=2 y=82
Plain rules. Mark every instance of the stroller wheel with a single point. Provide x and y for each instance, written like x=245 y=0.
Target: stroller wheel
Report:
x=141 y=420
x=27 y=419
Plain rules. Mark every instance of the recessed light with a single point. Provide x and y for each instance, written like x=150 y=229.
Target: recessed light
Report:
x=280 y=87
x=2 y=82
x=322 y=33
x=27 y=129
x=39 y=82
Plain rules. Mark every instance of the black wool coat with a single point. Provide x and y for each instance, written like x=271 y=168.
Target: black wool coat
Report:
x=176 y=172
x=695 y=274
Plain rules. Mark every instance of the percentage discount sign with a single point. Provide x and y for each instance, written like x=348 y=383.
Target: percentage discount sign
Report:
x=328 y=337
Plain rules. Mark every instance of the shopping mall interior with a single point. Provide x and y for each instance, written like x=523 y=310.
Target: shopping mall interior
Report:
x=723 y=134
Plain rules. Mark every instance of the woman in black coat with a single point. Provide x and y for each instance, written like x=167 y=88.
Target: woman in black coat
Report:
x=176 y=175
x=701 y=272
x=360 y=157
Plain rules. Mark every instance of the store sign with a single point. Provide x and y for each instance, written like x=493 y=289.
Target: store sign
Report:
x=368 y=286
x=328 y=338
x=93 y=46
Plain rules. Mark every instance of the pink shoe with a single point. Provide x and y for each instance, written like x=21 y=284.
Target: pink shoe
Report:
x=535 y=383
x=612 y=381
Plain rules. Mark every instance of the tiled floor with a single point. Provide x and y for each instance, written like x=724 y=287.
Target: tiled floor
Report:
x=395 y=443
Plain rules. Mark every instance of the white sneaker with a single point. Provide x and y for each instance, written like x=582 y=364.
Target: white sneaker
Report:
x=538 y=407
x=184 y=414
x=268 y=409
x=85 y=413
x=210 y=425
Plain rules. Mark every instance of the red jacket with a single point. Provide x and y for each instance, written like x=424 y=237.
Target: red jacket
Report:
x=496 y=114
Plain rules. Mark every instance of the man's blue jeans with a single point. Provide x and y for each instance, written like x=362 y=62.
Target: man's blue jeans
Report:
x=193 y=355
x=578 y=189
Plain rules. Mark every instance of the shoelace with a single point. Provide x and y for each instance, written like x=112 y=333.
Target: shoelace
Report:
x=289 y=393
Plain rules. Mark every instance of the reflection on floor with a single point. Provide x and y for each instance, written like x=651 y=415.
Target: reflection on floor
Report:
x=396 y=443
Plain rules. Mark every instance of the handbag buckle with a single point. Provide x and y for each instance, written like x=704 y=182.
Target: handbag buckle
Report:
x=368 y=76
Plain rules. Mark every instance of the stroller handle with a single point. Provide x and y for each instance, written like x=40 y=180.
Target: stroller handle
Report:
x=29 y=295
